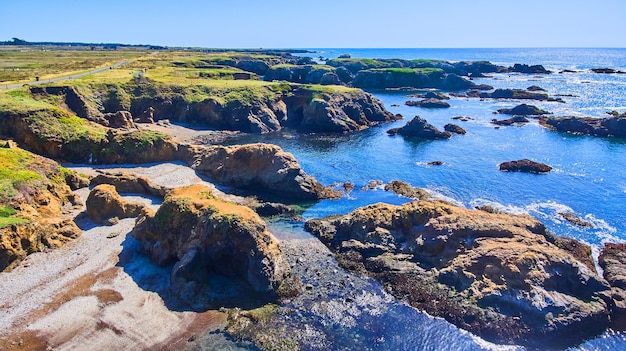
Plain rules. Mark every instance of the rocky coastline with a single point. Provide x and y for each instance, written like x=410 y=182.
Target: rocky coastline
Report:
x=215 y=261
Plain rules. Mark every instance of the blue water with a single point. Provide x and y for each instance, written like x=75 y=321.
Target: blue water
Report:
x=589 y=175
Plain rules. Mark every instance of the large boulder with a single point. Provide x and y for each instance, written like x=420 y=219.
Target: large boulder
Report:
x=104 y=204
x=420 y=128
x=264 y=168
x=206 y=237
x=497 y=275
x=523 y=110
x=119 y=119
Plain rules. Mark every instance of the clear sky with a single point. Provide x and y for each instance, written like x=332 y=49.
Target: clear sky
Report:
x=320 y=23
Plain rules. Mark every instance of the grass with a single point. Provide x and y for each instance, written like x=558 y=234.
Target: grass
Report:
x=21 y=64
x=408 y=70
x=17 y=174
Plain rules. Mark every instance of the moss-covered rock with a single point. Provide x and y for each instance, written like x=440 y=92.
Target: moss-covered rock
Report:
x=34 y=200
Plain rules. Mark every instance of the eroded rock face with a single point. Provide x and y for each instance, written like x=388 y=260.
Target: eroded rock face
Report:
x=612 y=259
x=104 y=203
x=205 y=236
x=420 y=128
x=496 y=275
x=264 y=168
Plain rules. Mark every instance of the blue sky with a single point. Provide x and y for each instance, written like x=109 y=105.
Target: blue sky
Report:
x=320 y=23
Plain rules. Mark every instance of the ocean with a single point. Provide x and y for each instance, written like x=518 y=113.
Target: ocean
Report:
x=588 y=179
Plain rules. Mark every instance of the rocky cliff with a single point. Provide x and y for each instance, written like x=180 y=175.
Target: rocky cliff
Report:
x=205 y=237
x=499 y=276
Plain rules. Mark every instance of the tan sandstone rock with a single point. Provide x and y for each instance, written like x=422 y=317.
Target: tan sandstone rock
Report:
x=206 y=237
x=497 y=275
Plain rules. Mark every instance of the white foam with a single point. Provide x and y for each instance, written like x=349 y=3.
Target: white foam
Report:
x=498 y=206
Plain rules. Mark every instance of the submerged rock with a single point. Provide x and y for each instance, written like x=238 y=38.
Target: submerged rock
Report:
x=496 y=275
x=206 y=237
x=525 y=165
x=419 y=128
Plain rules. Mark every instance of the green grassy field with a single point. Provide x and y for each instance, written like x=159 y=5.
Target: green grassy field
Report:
x=23 y=64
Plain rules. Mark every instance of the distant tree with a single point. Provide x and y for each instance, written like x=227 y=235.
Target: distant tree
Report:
x=17 y=41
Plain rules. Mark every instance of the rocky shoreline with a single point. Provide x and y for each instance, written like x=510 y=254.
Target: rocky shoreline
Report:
x=488 y=273
x=179 y=250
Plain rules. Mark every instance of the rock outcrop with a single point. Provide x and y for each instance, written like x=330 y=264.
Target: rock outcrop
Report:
x=336 y=113
x=265 y=168
x=35 y=203
x=496 y=275
x=129 y=183
x=104 y=205
x=205 y=237
x=420 y=128
x=525 y=165
x=523 y=110
x=510 y=121
x=603 y=127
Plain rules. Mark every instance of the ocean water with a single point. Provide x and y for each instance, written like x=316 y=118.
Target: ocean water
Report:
x=588 y=179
